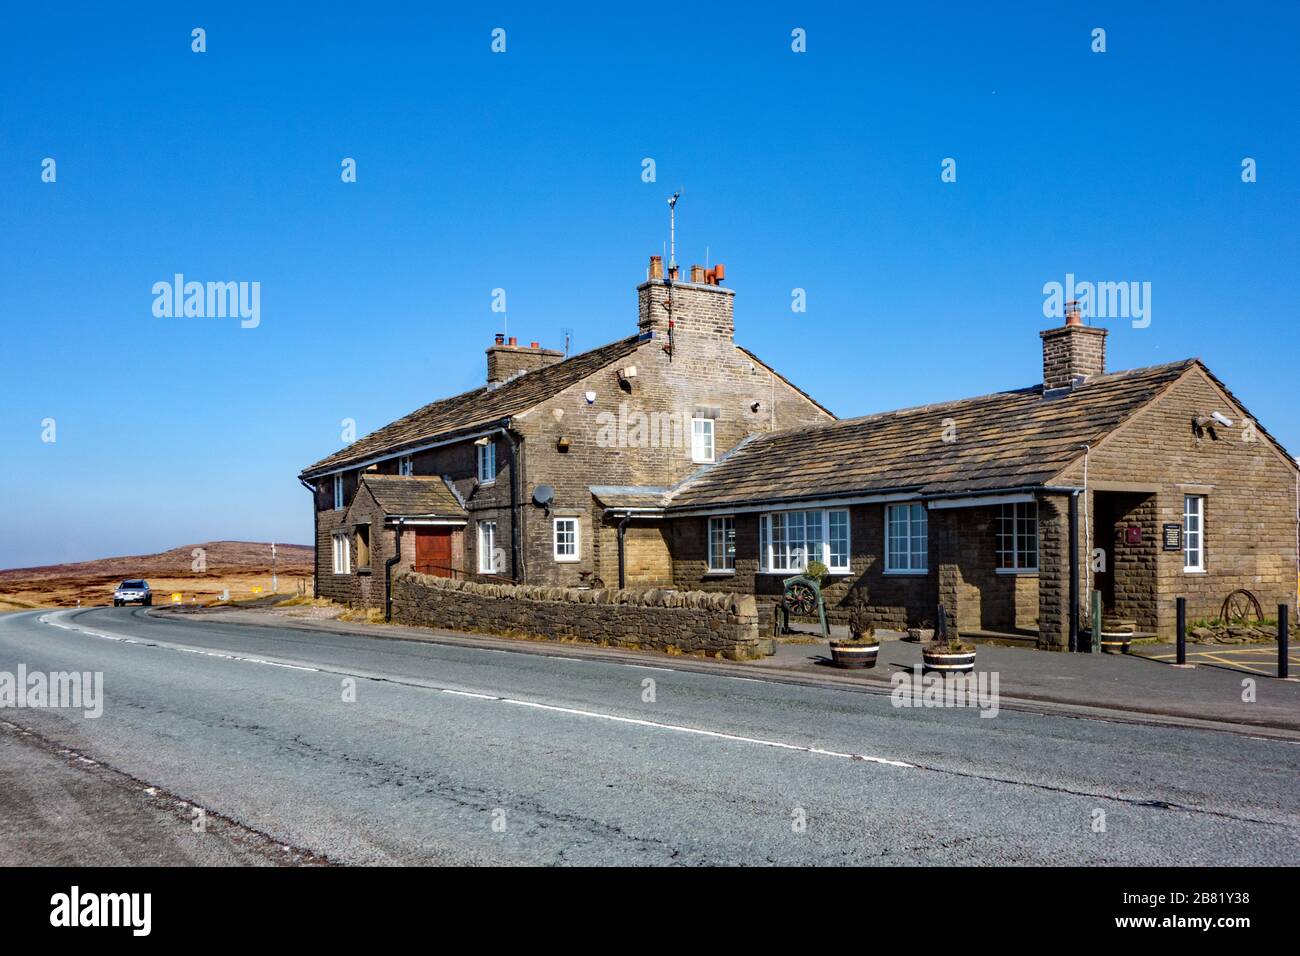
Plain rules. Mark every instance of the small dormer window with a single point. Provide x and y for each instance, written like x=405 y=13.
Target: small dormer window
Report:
x=405 y=466
x=338 y=492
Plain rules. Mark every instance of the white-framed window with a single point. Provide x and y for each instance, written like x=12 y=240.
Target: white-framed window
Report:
x=702 y=439
x=1018 y=536
x=1193 y=533
x=342 y=553
x=487 y=547
x=487 y=462
x=405 y=466
x=566 y=539
x=722 y=544
x=338 y=492
x=788 y=540
x=907 y=532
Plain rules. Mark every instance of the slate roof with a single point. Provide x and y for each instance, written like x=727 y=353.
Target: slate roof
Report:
x=1007 y=440
x=482 y=406
x=410 y=495
x=620 y=497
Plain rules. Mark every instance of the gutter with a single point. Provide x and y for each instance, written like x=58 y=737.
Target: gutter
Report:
x=861 y=497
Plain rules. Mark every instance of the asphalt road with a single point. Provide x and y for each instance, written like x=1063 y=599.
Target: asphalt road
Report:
x=464 y=755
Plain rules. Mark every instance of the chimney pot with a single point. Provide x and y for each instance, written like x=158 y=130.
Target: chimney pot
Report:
x=500 y=338
x=533 y=345
x=1072 y=316
x=656 y=267
x=697 y=273
x=514 y=340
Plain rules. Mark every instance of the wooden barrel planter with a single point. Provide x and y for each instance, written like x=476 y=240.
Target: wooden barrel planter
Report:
x=1115 y=642
x=854 y=656
x=948 y=662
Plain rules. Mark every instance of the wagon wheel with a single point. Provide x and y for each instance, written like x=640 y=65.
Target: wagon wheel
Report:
x=801 y=599
x=1239 y=606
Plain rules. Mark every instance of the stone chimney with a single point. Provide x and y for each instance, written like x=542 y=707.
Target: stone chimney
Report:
x=505 y=359
x=700 y=307
x=1072 y=353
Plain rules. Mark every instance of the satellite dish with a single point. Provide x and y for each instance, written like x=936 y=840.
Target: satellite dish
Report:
x=543 y=495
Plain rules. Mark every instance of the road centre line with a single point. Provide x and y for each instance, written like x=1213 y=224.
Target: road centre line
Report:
x=517 y=702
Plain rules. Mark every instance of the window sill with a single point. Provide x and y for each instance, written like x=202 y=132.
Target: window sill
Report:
x=786 y=574
x=365 y=571
x=560 y=560
x=906 y=574
x=488 y=483
x=1196 y=571
x=1017 y=571
x=719 y=572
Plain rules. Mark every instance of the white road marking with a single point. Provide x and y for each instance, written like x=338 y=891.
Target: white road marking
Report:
x=44 y=619
x=680 y=728
x=535 y=705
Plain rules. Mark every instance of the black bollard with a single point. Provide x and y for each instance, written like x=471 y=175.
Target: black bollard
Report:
x=1182 y=630
x=1283 y=635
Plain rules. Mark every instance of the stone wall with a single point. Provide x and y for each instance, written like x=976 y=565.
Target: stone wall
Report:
x=694 y=622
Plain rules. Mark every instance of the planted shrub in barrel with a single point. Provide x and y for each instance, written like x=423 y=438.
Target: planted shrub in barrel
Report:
x=863 y=647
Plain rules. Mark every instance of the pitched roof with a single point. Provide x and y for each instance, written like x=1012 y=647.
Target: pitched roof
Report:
x=477 y=408
x=1010 y=439
x=410 y=495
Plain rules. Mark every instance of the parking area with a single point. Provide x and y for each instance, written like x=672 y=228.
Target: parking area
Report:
x=1254 y=658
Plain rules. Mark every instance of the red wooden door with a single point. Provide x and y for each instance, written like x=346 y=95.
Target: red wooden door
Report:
x=433 y=551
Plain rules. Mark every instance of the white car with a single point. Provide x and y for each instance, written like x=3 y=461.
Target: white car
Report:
x=133 y=591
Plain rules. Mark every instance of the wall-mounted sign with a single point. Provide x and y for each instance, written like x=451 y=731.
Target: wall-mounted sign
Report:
x=1133 y=534
x=1173 y=537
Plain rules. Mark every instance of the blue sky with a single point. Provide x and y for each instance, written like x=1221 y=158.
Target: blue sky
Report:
x=522 y=171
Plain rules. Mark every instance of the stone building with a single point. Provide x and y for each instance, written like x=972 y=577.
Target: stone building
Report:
x=536 y=476
x=675 y=457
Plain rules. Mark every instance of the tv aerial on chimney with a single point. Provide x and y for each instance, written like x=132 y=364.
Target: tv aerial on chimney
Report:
x=672 y=233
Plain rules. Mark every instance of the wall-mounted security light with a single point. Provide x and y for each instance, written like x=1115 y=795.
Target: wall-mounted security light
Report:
x=1214 y=418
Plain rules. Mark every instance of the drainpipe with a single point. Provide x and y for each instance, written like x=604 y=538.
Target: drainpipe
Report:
x=1074 y=571
x=315 y=539
x=622 y=528
x=388 y=571
x=516 y=512
x=1087 y=526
